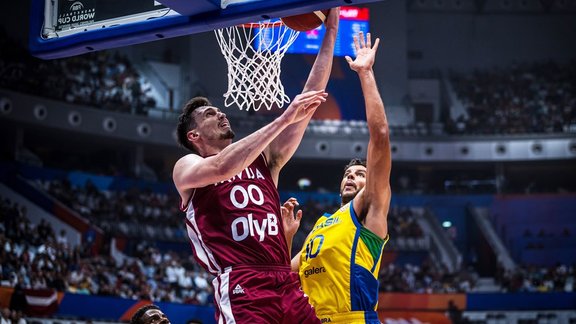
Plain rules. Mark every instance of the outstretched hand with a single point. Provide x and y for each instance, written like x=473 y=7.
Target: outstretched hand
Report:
x=365 y=52
x=304 y=105
x=291 y=223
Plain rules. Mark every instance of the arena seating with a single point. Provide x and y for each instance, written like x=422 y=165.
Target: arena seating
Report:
x=518 y=99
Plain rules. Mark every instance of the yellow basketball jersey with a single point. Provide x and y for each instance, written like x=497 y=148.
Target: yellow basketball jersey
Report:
x=339 y=266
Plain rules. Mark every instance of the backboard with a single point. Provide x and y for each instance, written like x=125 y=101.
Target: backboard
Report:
x=62 y=28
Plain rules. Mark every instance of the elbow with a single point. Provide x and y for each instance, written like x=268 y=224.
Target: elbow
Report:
x=380 y=133
x=384 y=132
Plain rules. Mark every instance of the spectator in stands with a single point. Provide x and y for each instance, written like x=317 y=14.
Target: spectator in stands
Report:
x=62 y=239
x=5 y=316
x=455 y=313
x=18 y=300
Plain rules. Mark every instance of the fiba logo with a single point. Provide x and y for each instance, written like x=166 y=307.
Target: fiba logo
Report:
x=76 y=6
x=77 y=14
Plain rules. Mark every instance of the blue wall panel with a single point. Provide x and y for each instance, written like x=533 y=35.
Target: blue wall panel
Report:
x=521 y=301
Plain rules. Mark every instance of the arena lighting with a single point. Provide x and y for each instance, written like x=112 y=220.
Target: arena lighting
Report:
x=109 y=124
x=40 y=112
x=322 y=147
x=500 y=149
x=572 y=147
x=446 y=224
x=304 y=183
x=537 y=148
x=5 y=106
x=144 y=130
x=75 y=118
x=357 y=148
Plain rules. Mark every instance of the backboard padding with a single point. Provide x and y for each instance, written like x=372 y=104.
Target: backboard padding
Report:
x=194 y=16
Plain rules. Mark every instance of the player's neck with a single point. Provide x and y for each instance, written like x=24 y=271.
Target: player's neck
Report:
x=214 y=147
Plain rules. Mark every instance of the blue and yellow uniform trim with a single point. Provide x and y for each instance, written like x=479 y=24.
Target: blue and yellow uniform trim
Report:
x=339 y=267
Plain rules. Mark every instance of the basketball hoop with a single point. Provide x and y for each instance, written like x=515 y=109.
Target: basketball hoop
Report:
x=253 y=53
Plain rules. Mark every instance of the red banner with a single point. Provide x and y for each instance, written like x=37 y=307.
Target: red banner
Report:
x=420 y=302
x=41 y=302
x=354 y=13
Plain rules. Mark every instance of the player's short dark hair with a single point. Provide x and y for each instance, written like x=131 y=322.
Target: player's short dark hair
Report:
x=186 y=121
x=355 y=161
x=137 y=317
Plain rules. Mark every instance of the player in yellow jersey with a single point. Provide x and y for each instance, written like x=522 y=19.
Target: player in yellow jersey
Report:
x=339 y=262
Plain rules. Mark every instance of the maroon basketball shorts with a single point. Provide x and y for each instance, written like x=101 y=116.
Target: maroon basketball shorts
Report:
x=261 y=294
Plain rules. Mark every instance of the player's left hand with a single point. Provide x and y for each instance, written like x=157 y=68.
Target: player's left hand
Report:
x=304 y=105
x=291 y=222
x=365 y=52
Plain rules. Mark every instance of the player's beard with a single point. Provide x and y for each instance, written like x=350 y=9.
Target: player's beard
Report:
x=346 y=198
x=229 y=134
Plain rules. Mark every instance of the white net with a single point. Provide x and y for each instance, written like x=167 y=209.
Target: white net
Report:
x=253 y=53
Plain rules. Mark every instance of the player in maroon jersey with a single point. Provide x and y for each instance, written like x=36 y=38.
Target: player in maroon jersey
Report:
x=229 y=193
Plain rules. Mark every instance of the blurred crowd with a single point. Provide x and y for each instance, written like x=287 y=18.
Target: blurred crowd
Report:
x=520 y=99
x=402 y=225
x=530 y=278
x=425 y=278
x=140 y=213
x=10 y=316
x=523 y=98
x=33 y=256
x=103 y=79
x=134 y=213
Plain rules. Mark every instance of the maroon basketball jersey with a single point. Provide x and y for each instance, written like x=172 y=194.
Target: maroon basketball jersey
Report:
x=237 y=221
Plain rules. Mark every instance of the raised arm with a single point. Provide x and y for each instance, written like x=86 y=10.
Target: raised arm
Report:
x=320 y=72
x=193 y=171
x=282 y=149
x=373 y=202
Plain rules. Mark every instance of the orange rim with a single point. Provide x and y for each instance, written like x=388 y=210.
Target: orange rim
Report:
x=274 y=24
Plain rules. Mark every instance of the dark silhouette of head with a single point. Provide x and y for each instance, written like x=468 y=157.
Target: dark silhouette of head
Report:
x=149 y=314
